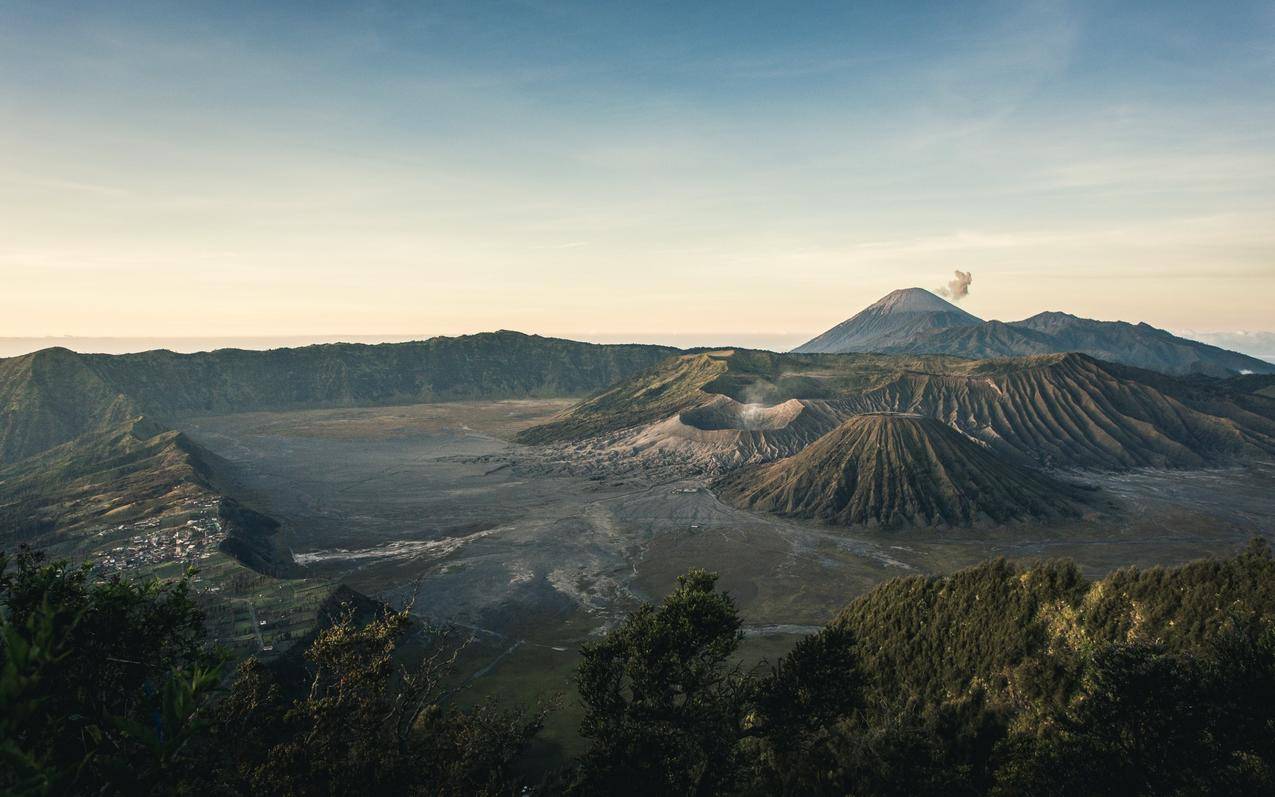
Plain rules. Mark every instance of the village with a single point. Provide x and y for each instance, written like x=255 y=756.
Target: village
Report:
x=190 y=535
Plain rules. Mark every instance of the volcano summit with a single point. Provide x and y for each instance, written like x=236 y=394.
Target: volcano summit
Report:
x=915 y=321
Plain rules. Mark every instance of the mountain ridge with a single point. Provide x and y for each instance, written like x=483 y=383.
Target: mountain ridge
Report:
x=907 y=322
x=55 y=395
x=1055 y=410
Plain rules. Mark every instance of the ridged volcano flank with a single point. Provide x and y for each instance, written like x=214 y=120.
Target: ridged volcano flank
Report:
x=1051 y=410
x=898 y=317
x=893 y=470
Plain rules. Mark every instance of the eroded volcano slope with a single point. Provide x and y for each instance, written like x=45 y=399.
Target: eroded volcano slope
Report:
x=1058 y=410
x=884 y=469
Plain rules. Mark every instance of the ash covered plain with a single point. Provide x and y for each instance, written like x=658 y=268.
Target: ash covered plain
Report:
x=433 y=503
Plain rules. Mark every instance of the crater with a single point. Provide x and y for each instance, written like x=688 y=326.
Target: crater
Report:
x=728 y=414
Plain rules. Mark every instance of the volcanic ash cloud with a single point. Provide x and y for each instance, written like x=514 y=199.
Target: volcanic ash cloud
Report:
x=959 y=287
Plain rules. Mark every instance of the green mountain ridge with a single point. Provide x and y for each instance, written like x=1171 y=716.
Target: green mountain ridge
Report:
x=133 y=471
x=55 y=395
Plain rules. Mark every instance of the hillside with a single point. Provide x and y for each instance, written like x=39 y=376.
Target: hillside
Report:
x=1254 y=384
x=139 y=485
x=889 y=470
x=132 y=472
x=52 y=396
x=487 y=366
x=988 y=339
x=918 y=322
x=1141 y=345
x=1058 y=410
x=995 y=623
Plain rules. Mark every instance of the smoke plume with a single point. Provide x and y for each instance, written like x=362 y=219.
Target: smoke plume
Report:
x=958 y=288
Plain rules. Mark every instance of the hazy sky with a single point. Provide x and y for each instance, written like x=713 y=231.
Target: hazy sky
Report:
x=269 y=168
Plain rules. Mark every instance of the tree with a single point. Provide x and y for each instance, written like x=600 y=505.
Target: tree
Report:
x=1150 y=722
x=368 y=723
x=100 y=683
x=668 y=715
x=662 y=707
x=799 y=705
x=106 y=688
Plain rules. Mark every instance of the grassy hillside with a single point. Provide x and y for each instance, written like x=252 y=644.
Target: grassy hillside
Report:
x=131 y=472
x=51 y=396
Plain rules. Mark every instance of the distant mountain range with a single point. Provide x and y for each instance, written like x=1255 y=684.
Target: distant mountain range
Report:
x=915 y=321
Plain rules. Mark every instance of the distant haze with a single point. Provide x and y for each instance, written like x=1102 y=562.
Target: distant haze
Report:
x=1256 y=344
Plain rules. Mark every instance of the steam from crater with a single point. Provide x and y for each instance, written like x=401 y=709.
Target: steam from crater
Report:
x=752 y=410
x=958 y=288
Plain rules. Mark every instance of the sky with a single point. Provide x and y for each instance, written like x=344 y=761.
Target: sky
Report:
x=645 y=171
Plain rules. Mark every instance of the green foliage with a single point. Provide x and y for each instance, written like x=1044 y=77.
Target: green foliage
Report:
x=1149 y=722
x=367 y=723
x=662 y=707
x=999 y=675
x=669 y=714
x=999 y=679
x=100 y=682
x=798 y=708
x=107 y=688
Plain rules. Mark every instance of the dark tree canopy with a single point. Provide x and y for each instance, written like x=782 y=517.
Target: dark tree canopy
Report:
x=1001 y=679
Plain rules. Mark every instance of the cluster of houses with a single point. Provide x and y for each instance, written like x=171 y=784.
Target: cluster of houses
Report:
x=192 y=536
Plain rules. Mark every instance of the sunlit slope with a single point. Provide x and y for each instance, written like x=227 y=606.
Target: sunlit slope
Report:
x=898 y=317
x=133 y=470
x=888 y=470
x=673 y=385
x=997 y=626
